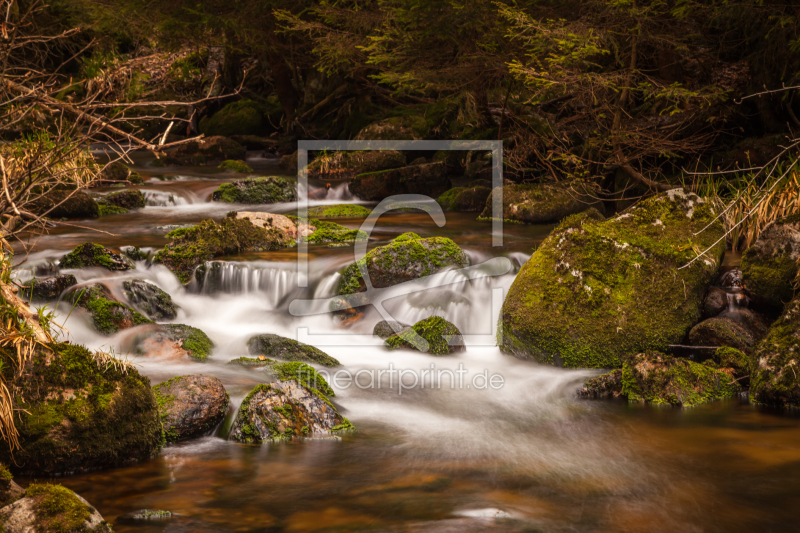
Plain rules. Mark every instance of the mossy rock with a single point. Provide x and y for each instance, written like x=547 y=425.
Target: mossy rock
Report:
x=342 y=165
x=252 y=361
x=82 y=412
x=442 y=337
x=90 y=254
x=52 y=508
x=190 y=406
x=738 y=361
x=429 y=180
x=385 y=329
x=149 y=299
x=118 y=172
x=277 y=347
x=331 y=232
x=774 y=376
x=104 y=210
x=64 y=204
x=261 y=190
x=127 y=199
x=176 y=339
x=407 y=257
x=108 y=314
x=48 y=288
x=235 y=166
x=302 y=373
x=206 y=151
x=447 y=199
x=741 y=329
x=465 y=199
x=596 y=290
x=342 y=210
x=401 y=128
x=770 y=266
x=244 y=117
x=194 y=246
x=541 y=203
x=134 y=253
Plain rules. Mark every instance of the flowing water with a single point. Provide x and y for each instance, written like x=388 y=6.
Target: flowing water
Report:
x=523 y=456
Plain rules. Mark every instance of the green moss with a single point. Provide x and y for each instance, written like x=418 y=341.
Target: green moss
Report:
x=195 y=341
x=275 y=346
x=235 y=166
x=345 y=426
x=108 y=209
x=244 y=117
x=437 y=331
x=58 y=509
x=250 y=361
x=344 y=210
x=774 y=374
x=447 y=200
x=259 y=190
x=769 y=279
x=165 y=402
x=94 y=255
x=4 y=473
x=108 y=316
x=303 y=374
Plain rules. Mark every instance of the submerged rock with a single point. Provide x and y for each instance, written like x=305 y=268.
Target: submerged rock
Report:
x=775 y=378
x=129 y=199
x=55 y=508
x=82 y=411
x=770 y=266
x=207 y=151
x=595 y=290
x=443 y=338
x=430 y=180
x=341 y=165
x=175 y=341
x=260 y=190
x=64 y=204
x=95 y=255
x=277 y=347
x=542 y=203
x=108 y=314
x=407 y=257
x=190 y=406
x=740 y=329
x=385 y=329
x=48 y=288
x=149 y=299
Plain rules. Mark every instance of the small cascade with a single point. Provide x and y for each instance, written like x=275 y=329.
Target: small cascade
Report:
x=340 y=192
x=247 y=278
x=163 y=199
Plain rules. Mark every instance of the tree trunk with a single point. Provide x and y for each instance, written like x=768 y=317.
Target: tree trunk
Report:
x=287 y=94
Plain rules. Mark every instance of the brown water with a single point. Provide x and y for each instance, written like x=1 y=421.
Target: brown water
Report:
x=432 y=459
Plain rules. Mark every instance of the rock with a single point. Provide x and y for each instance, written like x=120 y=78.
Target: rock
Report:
x=443 y=338
x=261 y=190
x=190 y=406
x=542 y=203
x=465 y=200
x=95 y=255
x=108 y=314
x=281 y=222
x=194 y=246
x=104 y=210
x=277 y=347
x=341 y=210
x=394 y=129
x=254 y=142
x=331 y=232
x=385 y=329
x=731 y=279
x=9 y=490
x=735 y=360
x=660 y=379
x=244 y=117
x=285 y=410
x=288 y=162
x=235 y=166
x=47 y=507
x=775 y=379
x=259 y=361
x=134 y=253
x=715 y=302
x=740 y=329
x=596 y=290
x=770 y=266
x=118 y=172
x=149 y=299
x=430 y=180
x=82 y=411
x=128 y=199
x=343 y=165
x=176 y=341
x=64 y=204
x=49 y=288
x=206 y=151
x=407 y=257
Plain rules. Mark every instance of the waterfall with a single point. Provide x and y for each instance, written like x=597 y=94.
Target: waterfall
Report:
x=269 y=282
x=163 y=199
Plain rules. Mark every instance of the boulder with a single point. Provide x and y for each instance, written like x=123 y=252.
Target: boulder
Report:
x=542 y=203
x=736 y=360
x=740 y=329
x=430 y=180
x=191 y=247
x=235 y=165
x=261 y=190
x=128 y=199
x=104 y=210
x=48 y=507
x=82 y=411
x=331 y=232
x=343 y=165
x=206 y=151
x=277 y=347
x=149 y=299
x=660 y=379
x=385 y=329
x=118 y=172
x=407 y=257
x=281 y=222
x=190 y=406
x=174 y=341
x=770 y=266
x=775 y=378
x=95 y=255
x=286 y=410
x=465 y=199
x=64 y=204
x=715 y=302
x=108 y=314
x=48 y=288
x=244 y=117
x=442 y=337
x=9 y=490
x=341 y=210
x=595 y=290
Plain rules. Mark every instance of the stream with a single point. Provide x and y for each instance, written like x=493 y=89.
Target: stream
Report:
x=525 y=456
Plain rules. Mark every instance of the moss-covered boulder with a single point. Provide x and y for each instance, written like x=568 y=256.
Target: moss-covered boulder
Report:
x=191 y=247
x=190 y=406
x=770 y=266
x=64 y=204
x=53 y=508
x=774 y=377
x=174 y=341
x=128 y=199
x=343 y=165
x=244 y=117
x=430 y=180
x=541 y=203
x=286 y=410
x=660 y=379
x=441 y=337
x=104 y=210
x=596 y=290
x=90 y=254
x=233 y=165
x=465 y=199
x=326 y=232
x=117 y=172
x=740 y=329
x=277 y=347
x=407 y=257
x=261 y=190
x=341 y=210
x=48 y=288
x=108 y=314
x=149 y=299
x=82 y=411
x=206 y=151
